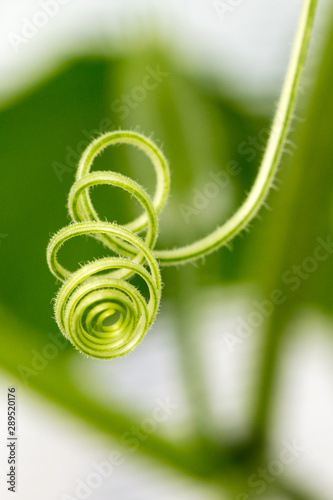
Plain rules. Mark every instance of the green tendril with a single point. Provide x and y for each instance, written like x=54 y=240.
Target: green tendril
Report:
x=97 y=308
x=101 y=313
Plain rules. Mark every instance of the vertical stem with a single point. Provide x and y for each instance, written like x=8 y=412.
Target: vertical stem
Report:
x=191 y=361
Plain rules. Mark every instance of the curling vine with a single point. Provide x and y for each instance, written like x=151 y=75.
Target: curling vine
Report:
x=97 y=308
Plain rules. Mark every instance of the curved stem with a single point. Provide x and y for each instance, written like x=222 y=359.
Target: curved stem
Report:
x=271 y=159
x=103 y=315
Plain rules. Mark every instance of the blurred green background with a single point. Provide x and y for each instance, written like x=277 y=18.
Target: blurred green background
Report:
x=194 y=355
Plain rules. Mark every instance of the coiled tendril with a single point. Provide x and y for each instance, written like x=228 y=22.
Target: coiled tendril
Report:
x=103 y=314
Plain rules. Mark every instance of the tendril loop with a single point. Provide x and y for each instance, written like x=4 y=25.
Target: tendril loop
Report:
x=97 y=308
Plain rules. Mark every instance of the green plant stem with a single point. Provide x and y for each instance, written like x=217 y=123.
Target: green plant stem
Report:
x=270 y=162
x=307 y=191
x=88 y=301
x=190 y=352
x=102 y=314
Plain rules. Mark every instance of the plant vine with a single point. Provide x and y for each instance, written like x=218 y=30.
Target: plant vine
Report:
x=97 y=308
